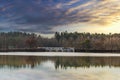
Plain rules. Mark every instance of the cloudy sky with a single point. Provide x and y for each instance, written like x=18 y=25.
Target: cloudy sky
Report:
x=48 y=16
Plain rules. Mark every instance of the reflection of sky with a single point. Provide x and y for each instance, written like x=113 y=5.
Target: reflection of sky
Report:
x=46 y=71
x=45 y=16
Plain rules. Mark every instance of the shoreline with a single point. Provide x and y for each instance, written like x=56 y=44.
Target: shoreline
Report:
x=43 y=50
x=60 y=54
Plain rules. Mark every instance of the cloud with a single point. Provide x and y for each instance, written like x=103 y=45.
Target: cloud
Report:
x=72 y=2
x=101 y=12
x=44 y=15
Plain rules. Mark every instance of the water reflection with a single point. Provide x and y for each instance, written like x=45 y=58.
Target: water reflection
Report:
x=59 y=62
x=59 y=68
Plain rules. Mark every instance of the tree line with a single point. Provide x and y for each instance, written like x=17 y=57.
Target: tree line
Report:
x=82 y=41
x=88 y=41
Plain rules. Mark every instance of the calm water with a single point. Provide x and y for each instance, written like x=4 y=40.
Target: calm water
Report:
x=59 y=68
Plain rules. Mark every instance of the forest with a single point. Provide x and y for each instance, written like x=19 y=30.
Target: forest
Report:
x=81 y=41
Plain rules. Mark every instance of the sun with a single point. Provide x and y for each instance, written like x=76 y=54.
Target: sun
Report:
x=113 y=28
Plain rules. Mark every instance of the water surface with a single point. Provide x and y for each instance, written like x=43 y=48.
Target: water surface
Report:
x=59 y=68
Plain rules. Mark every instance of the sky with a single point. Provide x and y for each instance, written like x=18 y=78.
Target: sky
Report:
x=49 y=16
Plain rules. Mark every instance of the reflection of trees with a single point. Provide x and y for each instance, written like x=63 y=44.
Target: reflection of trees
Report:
x=31 y=61
x=60 y=62
x=64 y=62
x=19 y=61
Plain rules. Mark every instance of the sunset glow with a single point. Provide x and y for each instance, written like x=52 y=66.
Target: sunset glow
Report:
x=49 y=16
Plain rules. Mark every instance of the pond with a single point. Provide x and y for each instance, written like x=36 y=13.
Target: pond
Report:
x=59 y=68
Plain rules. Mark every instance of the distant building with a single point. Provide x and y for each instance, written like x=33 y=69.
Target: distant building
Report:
x=69 y=49
x=57 y=49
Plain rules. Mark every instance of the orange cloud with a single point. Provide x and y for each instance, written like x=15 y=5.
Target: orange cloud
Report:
x=101 y=12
